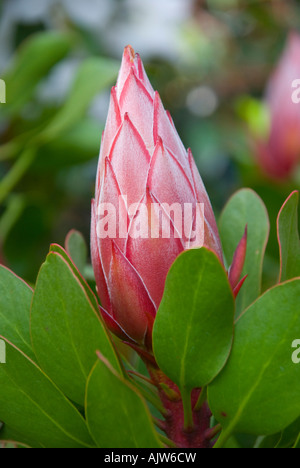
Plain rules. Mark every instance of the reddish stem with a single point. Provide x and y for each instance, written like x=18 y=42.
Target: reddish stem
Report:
x=199 y=435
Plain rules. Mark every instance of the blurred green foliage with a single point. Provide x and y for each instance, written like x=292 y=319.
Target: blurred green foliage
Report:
x=49 y=146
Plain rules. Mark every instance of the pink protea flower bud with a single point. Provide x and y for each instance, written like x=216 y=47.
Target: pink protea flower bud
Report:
x=280 y=153
x=145 y=180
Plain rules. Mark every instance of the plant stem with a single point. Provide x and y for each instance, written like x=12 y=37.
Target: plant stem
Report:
x=185 y=427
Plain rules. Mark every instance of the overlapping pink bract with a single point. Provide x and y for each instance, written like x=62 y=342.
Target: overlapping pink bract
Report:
x=142 y=158
x=280 y=154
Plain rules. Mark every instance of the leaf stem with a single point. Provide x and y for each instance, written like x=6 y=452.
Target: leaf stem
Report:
x=224 y=436
x=187 y=409
x=151 y=398
x=211 y=433
x=167 y=442
x=140 y=376
x=201 y=399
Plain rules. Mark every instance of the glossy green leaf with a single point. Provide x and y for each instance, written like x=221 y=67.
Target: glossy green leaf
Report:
x=65 y=328
x=117 y=415
x=246 y=208
x=77 y=249
x=193 y=329
x=26 y=71
x=58 y=249
x=32 y=405
x=258 y=390
x=94 y=75
x=288 y=237
x=15 y=300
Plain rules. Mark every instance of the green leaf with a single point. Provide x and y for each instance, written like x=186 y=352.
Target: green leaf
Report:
x=36 y=56
x=193 y=329
x=258 y=390
x=269 y=441
x=257 y=115
x=288 y=237
x=297 y=443
x=77 y=249
x=117 y=415
x=246 y=208
x=58 y=249
x=15 y=300
x=77 y=145
x=32 y=405
x=65 y=328
x=93 y=76
x=289 y=435
x=6 y=433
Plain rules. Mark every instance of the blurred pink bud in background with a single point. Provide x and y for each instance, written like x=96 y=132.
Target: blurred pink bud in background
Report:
x=280 y=153
x=143 y=164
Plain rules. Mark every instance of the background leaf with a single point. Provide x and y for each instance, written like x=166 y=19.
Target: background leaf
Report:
x=93 y=75
x=193 y=329
x=246 y=208
x=77 y=249
x=26 y=71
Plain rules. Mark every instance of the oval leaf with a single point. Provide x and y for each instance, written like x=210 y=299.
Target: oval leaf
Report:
x=288 y=238
x=193 y=329
x=246 y=208
x=258 y=391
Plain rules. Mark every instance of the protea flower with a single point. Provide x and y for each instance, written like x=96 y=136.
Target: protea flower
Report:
x=280 y=153
x=143 y=169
